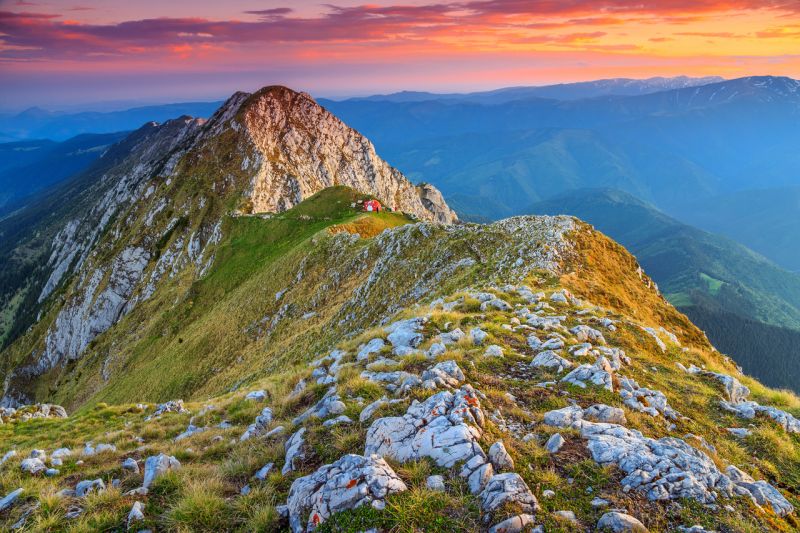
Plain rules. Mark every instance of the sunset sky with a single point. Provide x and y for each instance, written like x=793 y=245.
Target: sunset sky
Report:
x=58 y=53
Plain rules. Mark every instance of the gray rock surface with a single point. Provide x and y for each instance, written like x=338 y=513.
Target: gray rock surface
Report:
x=294 y=451
x=620 y=523
x=350 y=482
x=260 y=426
x=508 y=488
x=445 y=427
x=87 y=486
x=10 y=498
x=136 y=514
x=156 y=466
x=500 y=458
x=551 y=360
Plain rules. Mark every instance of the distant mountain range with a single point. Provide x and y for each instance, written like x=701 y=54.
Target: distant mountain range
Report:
x=744 y=301
x=560 y=91
x=37 y=123
x=678 y=149
x=28 y=167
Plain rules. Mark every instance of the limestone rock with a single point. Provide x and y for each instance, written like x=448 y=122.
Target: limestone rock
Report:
x=257 y=395
x=508 y=488
x=550 y=359
x=444 y=374
x=620 y=523
x=584 y=333
x=435 y=483
x=136 y=514
x=10 y=498
x=500 y=458
x=406 y=333
x=597 y=374
x=554 y=443
x=478 y=336
x=493 y=350
x=373 y=346
x=264 y=471
x=156 y=466
x=564 y=417
x=130 y=465
x=445 y=427
x=32 y=465
x=85 y=487
x=294 y=451
x=514 y=524
x=259 y=427
x=350 y=482
x=604 y=413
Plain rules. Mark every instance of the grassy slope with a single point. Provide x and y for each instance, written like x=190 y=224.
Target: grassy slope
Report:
x=202 y=337
x=709 y=276
x=203 y=495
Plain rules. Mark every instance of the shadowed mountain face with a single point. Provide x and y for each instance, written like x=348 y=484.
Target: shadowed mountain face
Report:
x=683 y=150
x=721 y=283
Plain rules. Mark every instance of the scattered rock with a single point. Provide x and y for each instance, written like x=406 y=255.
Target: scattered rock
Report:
x=597 y=374
x=156 y=466
x=87 y=486
x=435 y=483
x=550 y=359
x=350 y=482
x=451 y=337
x=264 y=471
x=444 y=374
x=32 y=465
x=585 y=333
x=256 y=395
x=136 y=514
x=564 y=417
x=739 y=432
x=445 y=427
x=373 y=346
x=172 y=406
x=554 y=443
x=508 y=488
x=294 y=451
x=406 y=333
x=605 y=413
x=130 y=465
x=514 y=524
x=620 y=523
x=566 y=516
x=262 y=422
x=493 y=350
x=10 y=498
x=478 y=336
x=500 y=458
x=597 y=503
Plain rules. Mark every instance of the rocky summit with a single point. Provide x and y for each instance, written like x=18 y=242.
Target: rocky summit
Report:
x=220 y=338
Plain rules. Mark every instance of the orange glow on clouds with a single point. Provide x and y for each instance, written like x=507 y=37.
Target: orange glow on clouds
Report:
x=470 y=44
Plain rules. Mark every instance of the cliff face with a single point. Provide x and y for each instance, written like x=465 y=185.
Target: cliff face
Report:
x=302 y=149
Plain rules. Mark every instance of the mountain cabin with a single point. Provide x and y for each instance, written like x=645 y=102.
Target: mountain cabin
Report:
x=372 y=205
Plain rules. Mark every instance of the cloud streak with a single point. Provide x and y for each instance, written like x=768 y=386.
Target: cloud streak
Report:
x=49 y=36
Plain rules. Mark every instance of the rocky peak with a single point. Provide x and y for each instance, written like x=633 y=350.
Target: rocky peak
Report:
x=301 y=148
